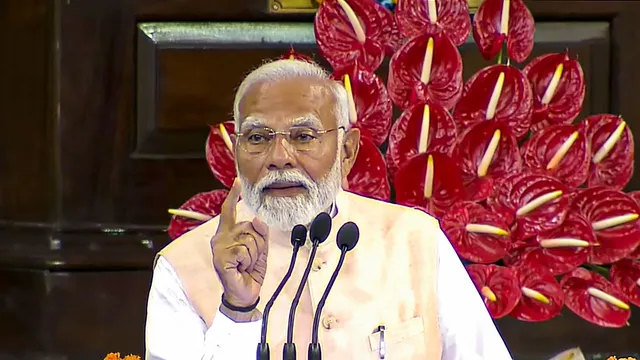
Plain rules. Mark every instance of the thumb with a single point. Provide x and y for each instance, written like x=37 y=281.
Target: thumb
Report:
x=261 y=227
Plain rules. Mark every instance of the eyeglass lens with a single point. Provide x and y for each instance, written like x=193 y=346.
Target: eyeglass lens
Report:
x=301 y=138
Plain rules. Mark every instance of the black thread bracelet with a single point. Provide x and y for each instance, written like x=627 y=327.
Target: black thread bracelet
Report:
x=240 y=309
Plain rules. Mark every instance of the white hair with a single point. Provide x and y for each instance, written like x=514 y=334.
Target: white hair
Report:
x=287 y=69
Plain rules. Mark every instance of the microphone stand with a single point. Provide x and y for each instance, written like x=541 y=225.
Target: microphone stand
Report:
x=346 y=239
x=319 y=231
x=298 y=237
x=315 y=352
x=289 y=351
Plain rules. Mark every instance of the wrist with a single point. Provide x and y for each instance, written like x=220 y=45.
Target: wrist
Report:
x=235 y=304
x=238 y=312
x=240 y=317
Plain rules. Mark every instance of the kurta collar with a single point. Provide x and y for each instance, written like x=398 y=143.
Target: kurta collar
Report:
x=333 y=212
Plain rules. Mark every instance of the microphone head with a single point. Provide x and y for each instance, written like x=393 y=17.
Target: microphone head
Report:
x=320 y=227
x=298 y=235
x=348 y=236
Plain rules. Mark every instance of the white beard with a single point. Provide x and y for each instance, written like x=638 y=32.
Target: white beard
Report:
x=283 y=213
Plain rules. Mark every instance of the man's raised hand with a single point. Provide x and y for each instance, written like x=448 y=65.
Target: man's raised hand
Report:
x=240 y=253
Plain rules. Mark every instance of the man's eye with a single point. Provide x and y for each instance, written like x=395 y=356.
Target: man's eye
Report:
x=256 y=138
x=304 y=137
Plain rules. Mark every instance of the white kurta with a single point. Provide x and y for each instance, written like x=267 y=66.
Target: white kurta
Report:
x=174 y=331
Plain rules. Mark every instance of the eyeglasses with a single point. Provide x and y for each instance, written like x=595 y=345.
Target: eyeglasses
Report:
x=301 y=138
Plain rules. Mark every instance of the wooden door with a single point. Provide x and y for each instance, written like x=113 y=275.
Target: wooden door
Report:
x=104 y=111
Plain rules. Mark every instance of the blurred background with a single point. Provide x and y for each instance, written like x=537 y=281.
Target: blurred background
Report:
x=105 y=106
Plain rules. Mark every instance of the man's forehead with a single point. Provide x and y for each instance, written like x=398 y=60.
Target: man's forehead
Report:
x=298 y=101
x=260 y=120
x=295 y=89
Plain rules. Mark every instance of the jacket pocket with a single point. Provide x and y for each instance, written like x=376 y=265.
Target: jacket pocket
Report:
x=404 y=341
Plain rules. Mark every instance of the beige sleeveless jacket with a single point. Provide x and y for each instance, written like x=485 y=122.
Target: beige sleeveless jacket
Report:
x=388 y=279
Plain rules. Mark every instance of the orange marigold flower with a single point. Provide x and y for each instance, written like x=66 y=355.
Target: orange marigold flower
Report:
x=113 y=356
x=132 y=357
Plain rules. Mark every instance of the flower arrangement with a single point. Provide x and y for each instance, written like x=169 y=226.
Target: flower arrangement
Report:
x=531 y=199
x=116 y=356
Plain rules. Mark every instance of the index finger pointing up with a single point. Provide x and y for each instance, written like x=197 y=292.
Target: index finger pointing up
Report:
x=228 y=210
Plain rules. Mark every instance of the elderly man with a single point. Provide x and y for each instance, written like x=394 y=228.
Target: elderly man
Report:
x=293 y=149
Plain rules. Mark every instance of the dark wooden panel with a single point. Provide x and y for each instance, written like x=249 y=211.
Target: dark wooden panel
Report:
x=73 y=315
x=187 y=74
x=96 y=106
x=90 y=311
x=194 y=10
x=75 y=294
x=27 y=184
x=22 y=311
x=81 y=248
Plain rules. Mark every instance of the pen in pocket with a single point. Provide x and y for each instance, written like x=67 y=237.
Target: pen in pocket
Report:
x=382 y=346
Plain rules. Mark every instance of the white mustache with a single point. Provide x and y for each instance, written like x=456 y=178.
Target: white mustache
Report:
x=284 y=176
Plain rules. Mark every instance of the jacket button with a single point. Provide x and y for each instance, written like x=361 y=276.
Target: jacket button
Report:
x=317 y=265
x=329 y=322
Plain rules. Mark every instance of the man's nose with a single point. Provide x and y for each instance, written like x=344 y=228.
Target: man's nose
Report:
x=280 y=155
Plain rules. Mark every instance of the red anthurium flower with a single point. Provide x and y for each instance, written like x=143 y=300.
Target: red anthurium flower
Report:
x=561 y=151
x=558 y=89
x=498 y=21
x=498 y=286
x=426 y=69
x=416 y=17
x=431 y=181
x=353 y=30
x=420 y=128
x=219 y=155
x=612 y=151
x=625 y=274
x=541 y=296
x=613 y=216
x=533 y=203
x=595 y=299
x=487 y=150
x=372 y=104
x=477 y=234
x=196 y=211
x=499 y=93
x=368 y=177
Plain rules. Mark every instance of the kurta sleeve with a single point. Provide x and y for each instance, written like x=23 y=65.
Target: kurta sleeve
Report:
x=174 y=331
x=467 y=330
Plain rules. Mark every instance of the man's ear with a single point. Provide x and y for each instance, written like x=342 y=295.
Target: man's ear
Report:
x=350 y=148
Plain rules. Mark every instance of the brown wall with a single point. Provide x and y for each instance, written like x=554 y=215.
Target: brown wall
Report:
x=103 y=113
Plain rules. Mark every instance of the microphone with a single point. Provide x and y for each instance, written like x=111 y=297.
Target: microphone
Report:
x=346 y=239
x=318 y=233
x=298 y=238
